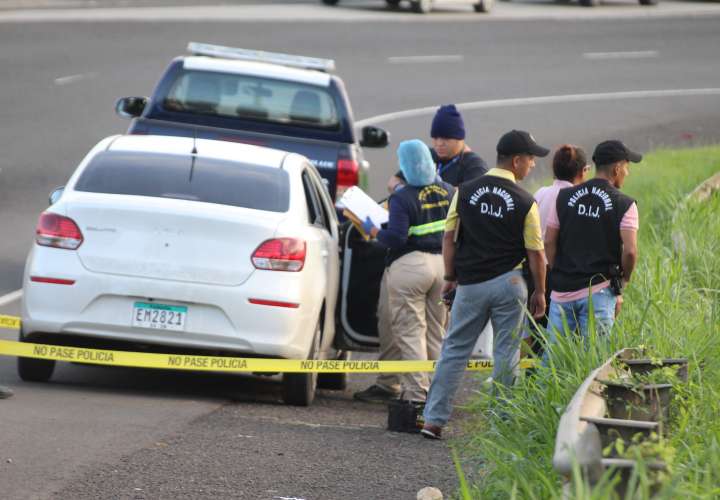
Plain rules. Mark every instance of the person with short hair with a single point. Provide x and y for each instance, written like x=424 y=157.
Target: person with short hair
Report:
x=591 y=244
x=411 y=316
x=454 y=160
x=492 y=227
x=569 y=169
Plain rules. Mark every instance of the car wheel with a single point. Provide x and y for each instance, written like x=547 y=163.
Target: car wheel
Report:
x=484 y=6
x=589 y=3
x=35 y=370
x=421 y=6
x=648 y=2
x=330 y=2
x=299 y=388
x=335 y=381
x=392 y=4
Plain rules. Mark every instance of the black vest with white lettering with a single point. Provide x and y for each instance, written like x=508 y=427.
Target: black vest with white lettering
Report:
x=589 y=242
x=427 y=209
x=492 y=214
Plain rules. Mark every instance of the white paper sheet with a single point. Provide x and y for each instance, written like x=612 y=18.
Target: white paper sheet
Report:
x=360 y=204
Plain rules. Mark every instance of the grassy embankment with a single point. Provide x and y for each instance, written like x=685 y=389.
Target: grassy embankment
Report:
x=672 y=307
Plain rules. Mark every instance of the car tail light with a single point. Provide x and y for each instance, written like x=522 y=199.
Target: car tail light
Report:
x=52 y=281
x=348 y=175
x=280 y=254
x=275 y=303
x=54 y=230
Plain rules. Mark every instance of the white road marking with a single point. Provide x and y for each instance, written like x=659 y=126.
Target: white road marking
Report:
x=65 y=80
x=425 y=59
x=10 y=297
x=633 y=54
x=533 y=101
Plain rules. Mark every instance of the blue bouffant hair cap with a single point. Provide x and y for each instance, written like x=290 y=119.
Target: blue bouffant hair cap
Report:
x=416 y=163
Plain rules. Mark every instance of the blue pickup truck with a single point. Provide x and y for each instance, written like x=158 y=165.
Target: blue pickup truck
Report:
x=292 y=103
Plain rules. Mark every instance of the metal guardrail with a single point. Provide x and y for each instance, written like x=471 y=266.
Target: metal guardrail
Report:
x=578 y=440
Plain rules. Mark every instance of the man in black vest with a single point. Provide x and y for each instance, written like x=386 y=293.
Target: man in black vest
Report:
x=492 y=227
x=454 y=161
x=591 y=243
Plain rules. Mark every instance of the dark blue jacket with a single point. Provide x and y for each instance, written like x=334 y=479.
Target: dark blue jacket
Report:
x=417 y=220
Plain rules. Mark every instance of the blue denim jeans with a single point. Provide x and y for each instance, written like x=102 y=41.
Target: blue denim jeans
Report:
x=577 y=313
x=502 y=301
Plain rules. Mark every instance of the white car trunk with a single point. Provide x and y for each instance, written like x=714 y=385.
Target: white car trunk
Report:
x=168 y=239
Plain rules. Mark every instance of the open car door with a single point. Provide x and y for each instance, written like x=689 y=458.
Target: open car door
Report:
x=362 y=266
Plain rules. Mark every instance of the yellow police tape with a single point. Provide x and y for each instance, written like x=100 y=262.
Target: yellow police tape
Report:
x=215 y=363
x=9 y=322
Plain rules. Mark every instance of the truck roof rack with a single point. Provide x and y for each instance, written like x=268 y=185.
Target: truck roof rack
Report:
x=316 y=63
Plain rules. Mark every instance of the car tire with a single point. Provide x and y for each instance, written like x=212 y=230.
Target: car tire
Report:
x=421 y=6
x=392 y=4
x=330 y=2
x=35 y=370
x=298 y=389
x=589 y=3
x=335 y=381
x=648 y=2
x=484 y=6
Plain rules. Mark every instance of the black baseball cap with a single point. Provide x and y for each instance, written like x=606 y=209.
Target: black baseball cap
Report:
x=519 y=142
x=609 y=152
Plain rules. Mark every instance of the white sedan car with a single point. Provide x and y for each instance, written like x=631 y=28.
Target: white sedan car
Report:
x=183 y=245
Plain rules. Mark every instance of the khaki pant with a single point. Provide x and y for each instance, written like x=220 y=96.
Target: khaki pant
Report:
x=411 y=319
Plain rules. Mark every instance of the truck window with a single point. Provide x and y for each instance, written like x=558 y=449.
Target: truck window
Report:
x=204 y=179
x=252 y=98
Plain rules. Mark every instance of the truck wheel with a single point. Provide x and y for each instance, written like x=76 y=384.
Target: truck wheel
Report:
x=421 y=6
x=330 y=2
x=392 y=4
x=335 y=381
x=484 y=6
x=299 y=388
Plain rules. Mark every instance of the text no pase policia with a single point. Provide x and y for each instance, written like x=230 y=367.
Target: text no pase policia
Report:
x=215 y=363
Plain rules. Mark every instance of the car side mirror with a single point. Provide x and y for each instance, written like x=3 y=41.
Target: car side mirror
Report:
x=130 y=107
x=374 y=137
x=56 y=194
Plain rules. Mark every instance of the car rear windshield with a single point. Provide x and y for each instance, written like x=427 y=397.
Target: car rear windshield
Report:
x=252 y=98
x=202 y=179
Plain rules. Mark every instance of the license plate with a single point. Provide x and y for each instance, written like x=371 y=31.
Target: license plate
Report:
x=159 y=316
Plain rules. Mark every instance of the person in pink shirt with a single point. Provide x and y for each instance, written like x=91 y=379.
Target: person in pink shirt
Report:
x=569 y=167
x=591 y=244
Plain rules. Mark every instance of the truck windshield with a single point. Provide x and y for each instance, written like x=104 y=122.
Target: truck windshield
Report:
x=252 y=98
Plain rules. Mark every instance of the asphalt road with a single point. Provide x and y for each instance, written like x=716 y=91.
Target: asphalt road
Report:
x=97 y=432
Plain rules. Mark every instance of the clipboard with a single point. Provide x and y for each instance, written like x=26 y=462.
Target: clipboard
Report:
x=357 y=206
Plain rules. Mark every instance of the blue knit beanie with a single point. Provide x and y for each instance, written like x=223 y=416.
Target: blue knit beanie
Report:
x=416 y=163
x=448 y=123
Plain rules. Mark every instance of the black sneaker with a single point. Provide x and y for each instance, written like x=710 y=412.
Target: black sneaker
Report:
x=376 y=394
x=5 y=392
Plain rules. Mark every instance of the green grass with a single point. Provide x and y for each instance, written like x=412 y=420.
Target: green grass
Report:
x=671 y=307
